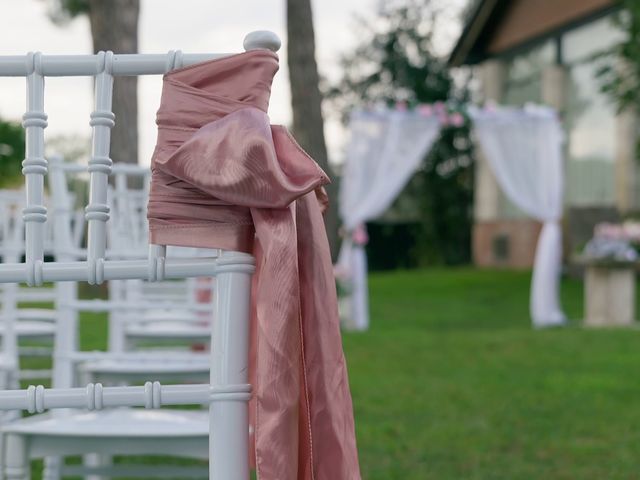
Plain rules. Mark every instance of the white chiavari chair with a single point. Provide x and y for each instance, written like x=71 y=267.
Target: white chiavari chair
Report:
x=34 y=325
x=129 y=234
x=119 y=363
x=226 y=394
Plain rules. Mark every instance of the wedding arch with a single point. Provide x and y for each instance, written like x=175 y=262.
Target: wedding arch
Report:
x=523 y=147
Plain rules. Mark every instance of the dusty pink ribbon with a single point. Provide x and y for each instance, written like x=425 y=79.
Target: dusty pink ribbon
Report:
x=223 y=177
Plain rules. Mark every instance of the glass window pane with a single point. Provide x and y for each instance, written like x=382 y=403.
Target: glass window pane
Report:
x=583 y=42
x=527 y=64
x=590 y=122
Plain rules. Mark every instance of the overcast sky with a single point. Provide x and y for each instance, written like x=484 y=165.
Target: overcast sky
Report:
x=192 y=26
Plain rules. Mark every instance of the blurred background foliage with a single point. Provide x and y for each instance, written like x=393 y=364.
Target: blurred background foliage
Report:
x=620 y=75
x=620 y=71
x=396 y=61
x=11 y=154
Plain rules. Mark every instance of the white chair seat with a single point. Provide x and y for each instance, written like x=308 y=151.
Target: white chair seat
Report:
x=36 y=295
x=169 y=315
x=146 y=366
x=168 y=330
x=120 y=422
x=31 y=329
x=42 y=314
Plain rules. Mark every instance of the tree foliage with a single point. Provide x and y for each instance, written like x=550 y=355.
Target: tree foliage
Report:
x=11 y=153
x=396 y=61
x=620 y=75
x=61 y=11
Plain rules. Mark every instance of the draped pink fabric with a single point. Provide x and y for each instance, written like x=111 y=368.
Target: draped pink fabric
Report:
x=223 y=177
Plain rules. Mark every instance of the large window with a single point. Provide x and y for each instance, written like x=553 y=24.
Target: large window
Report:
x=590 y=116
x=523 y=83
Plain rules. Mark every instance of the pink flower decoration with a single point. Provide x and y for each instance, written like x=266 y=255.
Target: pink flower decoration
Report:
x=610 y=231
x=359 y=235
x=443 y=118
x=456 y=119
x=490 y=106
x=341 y=273
x=401 y=106
x=439 y=107
x=425 y=109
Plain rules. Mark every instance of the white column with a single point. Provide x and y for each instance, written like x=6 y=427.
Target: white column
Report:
x=626 y=169
x=554 y=84
x=486 y=205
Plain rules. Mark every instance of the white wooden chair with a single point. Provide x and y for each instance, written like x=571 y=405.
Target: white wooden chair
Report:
x=128 y=238
x=29 y=324
x=119 y=363
x=228 y=391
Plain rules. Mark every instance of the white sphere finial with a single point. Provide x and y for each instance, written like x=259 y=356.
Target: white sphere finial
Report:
x=262 y=39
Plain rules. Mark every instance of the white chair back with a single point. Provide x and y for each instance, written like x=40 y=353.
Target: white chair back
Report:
x=228 y=391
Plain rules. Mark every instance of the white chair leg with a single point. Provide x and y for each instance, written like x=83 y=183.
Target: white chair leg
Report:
x=96 y=460
x=229 y=419
x=52 y=467
x=17 y=466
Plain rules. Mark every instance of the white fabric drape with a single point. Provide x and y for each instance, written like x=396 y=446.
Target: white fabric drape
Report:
x=385 y=150
x=524 y=149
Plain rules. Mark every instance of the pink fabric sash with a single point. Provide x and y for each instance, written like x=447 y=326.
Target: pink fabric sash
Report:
x=224 y=178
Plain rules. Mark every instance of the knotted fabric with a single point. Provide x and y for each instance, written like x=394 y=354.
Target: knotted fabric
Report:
x=223 y=177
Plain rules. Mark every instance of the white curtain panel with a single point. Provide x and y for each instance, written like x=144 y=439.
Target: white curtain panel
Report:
x=524 y=149
x=385 y=150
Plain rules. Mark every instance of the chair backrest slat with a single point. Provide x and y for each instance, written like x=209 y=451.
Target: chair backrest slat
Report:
x=34 y=167
x=90 y=65
x=102 y=120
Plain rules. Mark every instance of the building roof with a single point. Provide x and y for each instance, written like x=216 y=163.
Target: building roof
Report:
x=496 y=27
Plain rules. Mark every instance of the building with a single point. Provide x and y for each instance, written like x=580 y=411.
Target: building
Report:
x=543 y=51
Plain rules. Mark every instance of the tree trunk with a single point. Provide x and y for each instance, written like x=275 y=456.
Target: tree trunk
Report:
x=114 y=26
x=306 y=100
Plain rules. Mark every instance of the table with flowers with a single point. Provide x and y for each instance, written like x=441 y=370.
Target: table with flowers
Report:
x=611 y=259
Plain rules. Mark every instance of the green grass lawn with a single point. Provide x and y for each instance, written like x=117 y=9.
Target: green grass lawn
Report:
x=452 y=383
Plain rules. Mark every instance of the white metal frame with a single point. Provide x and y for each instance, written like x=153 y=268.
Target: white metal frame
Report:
x=228 y=391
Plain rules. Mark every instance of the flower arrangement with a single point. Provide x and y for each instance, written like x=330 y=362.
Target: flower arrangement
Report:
x=618 y=242
x=448 y=114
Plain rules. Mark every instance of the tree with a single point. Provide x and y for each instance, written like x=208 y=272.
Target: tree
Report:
x=620 y=72
x=114 y=26
x=306 y=100
x=395 y=62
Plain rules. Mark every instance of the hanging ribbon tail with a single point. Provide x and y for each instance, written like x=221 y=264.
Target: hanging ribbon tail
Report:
x=238 y=183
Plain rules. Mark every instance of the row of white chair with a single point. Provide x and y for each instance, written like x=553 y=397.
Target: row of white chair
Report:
x=69 y=431
x=136 y=311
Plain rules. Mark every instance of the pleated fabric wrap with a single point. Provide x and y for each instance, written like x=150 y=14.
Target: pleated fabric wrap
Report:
x=223 y=177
